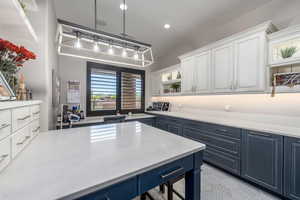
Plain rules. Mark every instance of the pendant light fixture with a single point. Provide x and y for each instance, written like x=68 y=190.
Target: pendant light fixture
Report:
x=93 y=44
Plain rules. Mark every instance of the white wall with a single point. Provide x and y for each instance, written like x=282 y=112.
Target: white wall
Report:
x=71 y=68
x=38 y=72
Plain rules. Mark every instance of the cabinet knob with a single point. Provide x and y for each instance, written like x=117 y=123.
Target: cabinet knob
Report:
x=177 y=171
x=24 y=118
x=4 y=126
x=3 y=157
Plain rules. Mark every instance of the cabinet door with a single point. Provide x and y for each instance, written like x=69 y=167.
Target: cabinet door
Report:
x=222 y=65
x=250 y=62
x=175 y=128
x=187 y=79
x=262 y=159
x=292 y=168
x=155 y=83
x=202 y=72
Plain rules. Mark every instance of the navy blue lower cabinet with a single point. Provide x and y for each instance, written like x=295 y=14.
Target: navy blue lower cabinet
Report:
x=116 y=192
x=222 y=160
x=175 y=128
x=262 y=159
x=148 y=121
x=164 y=173
x=169 y=124
x=292 y=168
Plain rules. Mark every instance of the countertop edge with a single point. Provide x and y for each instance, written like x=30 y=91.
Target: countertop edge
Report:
x=5 y=105
x=131 y=175
x=266 y=130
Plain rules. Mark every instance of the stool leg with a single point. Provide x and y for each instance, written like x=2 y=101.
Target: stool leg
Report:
x=170 y=191
x=162 y=188
x=143 y=197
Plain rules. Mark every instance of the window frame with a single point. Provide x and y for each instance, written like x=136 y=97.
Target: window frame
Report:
x=118 y=70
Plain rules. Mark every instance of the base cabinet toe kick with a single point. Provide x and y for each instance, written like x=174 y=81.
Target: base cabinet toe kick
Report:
x=271 y=161
x=190 y=166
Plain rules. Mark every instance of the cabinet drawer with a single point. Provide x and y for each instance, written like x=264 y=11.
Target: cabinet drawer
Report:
x=228 y=145
x=20 y=117
x=149 y=122
x=162 y=125
x=126 y=190
x=20 y=139
x=35 y=112
x=4 y=153
x=226 y=131
x=175 y=128
x=5 y=123
x=35 y=128
x=164 y=173
x=222 y=160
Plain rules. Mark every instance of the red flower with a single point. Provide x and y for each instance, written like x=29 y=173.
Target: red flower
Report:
x=15 y=55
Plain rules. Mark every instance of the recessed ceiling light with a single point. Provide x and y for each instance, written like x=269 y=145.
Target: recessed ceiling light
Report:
x=167 y=26
x=123 y=6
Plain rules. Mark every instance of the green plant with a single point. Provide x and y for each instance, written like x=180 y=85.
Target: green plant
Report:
x=175 y=86
x=288 y=52
x=23 y=5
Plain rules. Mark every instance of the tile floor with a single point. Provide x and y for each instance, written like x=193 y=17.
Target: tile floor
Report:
x=218 y=185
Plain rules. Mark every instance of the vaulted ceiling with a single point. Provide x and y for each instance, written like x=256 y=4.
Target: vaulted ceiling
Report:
x=146 y=18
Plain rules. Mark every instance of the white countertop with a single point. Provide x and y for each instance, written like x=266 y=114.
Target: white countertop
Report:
x=14 y=104
x=66 y=163
x=275 y=128
x=92 y=120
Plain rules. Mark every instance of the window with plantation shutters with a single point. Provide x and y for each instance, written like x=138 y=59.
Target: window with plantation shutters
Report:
x=103 y=90
x=114 y=89
x=131 y=91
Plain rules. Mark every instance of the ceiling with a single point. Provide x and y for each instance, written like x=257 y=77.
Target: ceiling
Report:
x=145 y=18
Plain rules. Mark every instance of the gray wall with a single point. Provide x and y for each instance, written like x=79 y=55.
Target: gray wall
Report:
x=283 y=13
x=71 y=68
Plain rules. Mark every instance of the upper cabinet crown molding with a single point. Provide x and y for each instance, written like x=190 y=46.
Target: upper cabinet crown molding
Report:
x=266 y=27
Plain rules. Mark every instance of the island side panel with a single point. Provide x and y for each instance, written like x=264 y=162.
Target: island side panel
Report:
x=193 y=179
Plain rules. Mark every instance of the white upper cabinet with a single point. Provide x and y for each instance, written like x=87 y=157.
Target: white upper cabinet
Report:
x=236 y=64
x=250 y=63
x=187 y=68
x=282 y=41
x=223 y=66
x=202 y=69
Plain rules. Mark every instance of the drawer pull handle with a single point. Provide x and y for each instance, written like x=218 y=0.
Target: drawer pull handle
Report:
x=38 y=112
x=172 y=173
x=3 y=157
x=26 y=138
x=36 y=130
x=222 y=130
x=24 y=118
x=260 y=134
x=4 y=126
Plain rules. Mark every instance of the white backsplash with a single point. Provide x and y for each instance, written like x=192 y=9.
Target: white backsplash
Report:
x=284 y=109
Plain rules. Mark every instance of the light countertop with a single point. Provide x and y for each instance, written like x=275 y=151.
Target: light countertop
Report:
x=14 y=104
x=65 y=164
x=93 y=120
x=274 y=128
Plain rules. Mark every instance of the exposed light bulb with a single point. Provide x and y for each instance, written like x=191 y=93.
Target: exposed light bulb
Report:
x=111 y=50
x=124 y=53
x=136 y=56
x=77 y=44
x=123 y=6
x=167 y=26
x=96 y=47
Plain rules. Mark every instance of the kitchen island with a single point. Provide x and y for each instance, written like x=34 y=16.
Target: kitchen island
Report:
x=110 y=161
